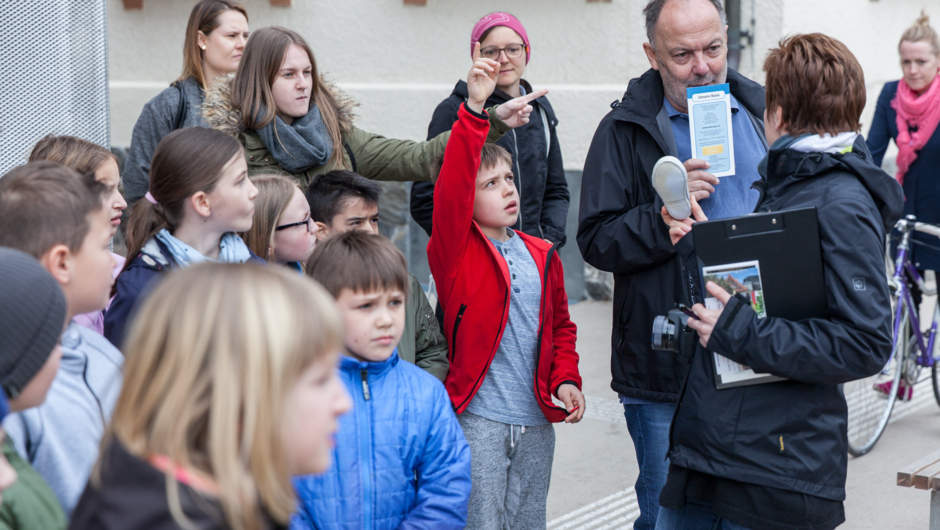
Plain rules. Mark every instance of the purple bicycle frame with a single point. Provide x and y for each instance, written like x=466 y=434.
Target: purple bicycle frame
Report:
x=903 y=267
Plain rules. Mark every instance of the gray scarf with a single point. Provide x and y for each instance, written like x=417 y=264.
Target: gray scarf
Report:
x=301 y=145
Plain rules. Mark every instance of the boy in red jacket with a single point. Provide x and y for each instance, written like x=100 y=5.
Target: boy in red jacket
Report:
x=512 y=344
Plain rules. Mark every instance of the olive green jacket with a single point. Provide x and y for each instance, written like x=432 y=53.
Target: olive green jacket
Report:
x=29 y=504
x=370 y=155
x=422 y=342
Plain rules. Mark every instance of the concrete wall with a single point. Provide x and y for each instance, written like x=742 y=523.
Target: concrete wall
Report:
x=399 y=61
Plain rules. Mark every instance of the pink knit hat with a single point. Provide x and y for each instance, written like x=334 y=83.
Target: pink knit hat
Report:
x=500 y=19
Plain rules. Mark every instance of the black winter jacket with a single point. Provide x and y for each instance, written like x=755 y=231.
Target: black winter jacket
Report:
x=132 y=495
x=792 y=434
x=620 y=230
x=539 y=177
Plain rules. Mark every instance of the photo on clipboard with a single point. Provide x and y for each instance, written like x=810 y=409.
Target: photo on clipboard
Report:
x=737 y=279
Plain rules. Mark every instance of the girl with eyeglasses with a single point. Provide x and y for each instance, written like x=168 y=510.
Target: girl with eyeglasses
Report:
x=215 y=39
x=282 y=231
x=536 y=155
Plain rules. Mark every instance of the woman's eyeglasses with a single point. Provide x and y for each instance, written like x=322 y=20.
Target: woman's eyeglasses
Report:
x=513 y=51
x=306 y=222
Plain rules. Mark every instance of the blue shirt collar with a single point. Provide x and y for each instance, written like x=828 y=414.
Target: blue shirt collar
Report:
x=673 y=112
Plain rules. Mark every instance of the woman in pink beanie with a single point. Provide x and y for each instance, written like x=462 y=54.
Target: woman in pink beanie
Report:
x=537 y=163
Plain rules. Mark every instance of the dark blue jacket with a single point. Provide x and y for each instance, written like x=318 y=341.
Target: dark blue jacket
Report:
x=792 y=434
x=401 y=459
x=620 y=230
x=921 y=185
x=136 y=279
x=537 y=167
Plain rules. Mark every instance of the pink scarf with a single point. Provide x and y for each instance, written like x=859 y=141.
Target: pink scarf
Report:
x=919 y=113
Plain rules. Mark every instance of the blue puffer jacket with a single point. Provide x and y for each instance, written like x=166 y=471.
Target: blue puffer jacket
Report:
x=401 y=459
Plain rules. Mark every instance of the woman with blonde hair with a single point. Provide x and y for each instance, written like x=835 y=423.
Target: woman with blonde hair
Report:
x=215 y=39
x=230 y=388
x=908 y=112
x=292 y=122
x=282 y=231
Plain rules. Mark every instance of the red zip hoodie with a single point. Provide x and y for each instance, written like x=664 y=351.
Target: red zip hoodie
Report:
x=473 y=283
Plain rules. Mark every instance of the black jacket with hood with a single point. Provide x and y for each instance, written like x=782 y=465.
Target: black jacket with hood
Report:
x=620 y=230
x=792 y=434
x=537 y=167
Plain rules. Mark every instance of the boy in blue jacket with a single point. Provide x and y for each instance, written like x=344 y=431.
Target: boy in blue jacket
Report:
x=401 y=459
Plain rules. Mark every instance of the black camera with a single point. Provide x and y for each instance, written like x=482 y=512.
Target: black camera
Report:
x=672 y=333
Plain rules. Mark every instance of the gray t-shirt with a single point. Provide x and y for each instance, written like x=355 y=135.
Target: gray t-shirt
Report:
x=507 y=394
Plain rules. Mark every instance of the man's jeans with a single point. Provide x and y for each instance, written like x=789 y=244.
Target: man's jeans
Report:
x=694 y=516
x=649 y=428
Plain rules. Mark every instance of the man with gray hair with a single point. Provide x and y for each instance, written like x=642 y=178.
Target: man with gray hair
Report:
x=620 y=228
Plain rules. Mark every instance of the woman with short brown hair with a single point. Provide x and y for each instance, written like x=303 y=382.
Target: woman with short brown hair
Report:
x=774 y=456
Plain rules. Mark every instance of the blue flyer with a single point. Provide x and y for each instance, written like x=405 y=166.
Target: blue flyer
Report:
x=710 y=127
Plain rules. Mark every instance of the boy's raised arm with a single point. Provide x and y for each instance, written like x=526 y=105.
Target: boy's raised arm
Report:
x=454 y=189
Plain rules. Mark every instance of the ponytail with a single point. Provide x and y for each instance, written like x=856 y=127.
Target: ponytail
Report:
x=186 y=162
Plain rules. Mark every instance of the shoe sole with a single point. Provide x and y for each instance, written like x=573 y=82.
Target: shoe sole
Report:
x=671 y=182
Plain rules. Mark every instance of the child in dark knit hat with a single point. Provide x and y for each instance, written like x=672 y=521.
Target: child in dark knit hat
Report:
x=32 y=314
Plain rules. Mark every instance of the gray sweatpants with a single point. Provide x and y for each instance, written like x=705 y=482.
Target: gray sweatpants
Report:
x=511 y=468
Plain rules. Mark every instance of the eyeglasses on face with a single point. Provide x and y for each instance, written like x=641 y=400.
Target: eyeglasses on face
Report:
x=513 y=51
x=306 y=222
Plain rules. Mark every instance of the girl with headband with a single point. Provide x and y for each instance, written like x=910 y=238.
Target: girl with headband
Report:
x=537 y=164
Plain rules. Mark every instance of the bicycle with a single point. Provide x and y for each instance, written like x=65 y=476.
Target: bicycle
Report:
x=871 y=400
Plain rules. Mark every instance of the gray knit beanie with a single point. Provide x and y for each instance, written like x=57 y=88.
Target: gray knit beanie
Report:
x=32 y=314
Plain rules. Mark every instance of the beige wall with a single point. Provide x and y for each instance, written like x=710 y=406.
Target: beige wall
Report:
x=399 y=61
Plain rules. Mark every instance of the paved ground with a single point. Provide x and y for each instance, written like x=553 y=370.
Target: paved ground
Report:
x=595 y=464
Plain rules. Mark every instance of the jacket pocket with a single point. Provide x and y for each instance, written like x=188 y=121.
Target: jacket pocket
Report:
x=453 y=336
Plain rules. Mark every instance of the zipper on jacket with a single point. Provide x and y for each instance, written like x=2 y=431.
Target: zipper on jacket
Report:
x=365 y=385
x=538 y=351
x=453 y=336
x=515 y=144
x=363 y=412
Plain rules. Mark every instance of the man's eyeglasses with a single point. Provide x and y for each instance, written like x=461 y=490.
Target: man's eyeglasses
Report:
x=513 y=51
x=306 y=222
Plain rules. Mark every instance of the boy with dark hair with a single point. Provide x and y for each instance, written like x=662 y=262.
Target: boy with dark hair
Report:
x=401 y=460
x=61 y=219
x=342 y=201
x=774 y=456
x=512 y=343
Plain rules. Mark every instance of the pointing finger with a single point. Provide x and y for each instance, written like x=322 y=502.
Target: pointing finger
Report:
x=533 y=96
x=476 y=51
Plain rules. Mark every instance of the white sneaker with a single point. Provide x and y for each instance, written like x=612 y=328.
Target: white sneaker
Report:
x=672 y=184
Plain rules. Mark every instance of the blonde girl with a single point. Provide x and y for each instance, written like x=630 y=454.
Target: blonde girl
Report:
x=230 y=388
x=282 y=231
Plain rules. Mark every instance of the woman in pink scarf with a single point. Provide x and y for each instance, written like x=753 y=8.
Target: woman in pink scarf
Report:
x=908 y=112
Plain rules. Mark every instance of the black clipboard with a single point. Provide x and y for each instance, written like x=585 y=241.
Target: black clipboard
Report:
x=790 y=282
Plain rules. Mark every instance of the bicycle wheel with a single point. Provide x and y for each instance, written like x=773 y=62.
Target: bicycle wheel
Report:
x=870 y=408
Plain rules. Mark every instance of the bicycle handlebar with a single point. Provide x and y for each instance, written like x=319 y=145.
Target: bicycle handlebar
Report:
x=909 y=223
x=927 y=229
